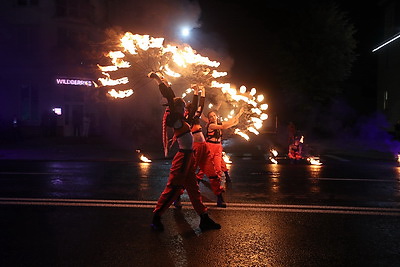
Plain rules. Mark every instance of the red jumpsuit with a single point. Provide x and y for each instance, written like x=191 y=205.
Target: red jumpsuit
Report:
x=202 y=154
x=214 y=146
x=182 y=173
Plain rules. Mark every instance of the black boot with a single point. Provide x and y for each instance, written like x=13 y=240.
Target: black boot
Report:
x=220 y=201
x=156 y=224
x=227 y=177
x=206 y=223
x=178 y=203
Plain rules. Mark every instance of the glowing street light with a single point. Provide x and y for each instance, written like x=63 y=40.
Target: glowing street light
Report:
x=185 y=32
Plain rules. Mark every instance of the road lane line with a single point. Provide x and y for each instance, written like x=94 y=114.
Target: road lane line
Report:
x=337 y=158
x=35 y=173
x=187 y=205
x=355 y=179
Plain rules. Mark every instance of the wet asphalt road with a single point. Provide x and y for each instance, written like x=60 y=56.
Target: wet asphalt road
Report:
x=93 y=213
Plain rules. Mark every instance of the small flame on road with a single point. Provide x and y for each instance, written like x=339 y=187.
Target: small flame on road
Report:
x=142 y=157
x=314 y=161
x=273 y=156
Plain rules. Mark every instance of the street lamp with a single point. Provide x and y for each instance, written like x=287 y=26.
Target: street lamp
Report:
x=185 y=31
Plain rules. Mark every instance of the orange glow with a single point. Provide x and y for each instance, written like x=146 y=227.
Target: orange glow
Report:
x=314 y=161
x=144 y=158
x=180 y=62
x=226 y=158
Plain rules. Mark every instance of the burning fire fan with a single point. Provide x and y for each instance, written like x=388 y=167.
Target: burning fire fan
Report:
x=136 y=55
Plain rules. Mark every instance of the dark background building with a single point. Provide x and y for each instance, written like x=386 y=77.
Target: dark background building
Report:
x=42 y=41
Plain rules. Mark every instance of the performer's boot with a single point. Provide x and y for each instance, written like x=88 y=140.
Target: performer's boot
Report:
x=206 y=223
x=156 y=224
x=227 y=177
x=178 y=203
x=220 y=201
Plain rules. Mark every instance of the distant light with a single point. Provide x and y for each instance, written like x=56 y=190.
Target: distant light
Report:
x=387 y=42
x=57 y=111
x=185 y=32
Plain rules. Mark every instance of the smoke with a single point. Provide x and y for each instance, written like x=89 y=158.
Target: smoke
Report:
x=159 y=18
x=340 y=126
x=166 y=18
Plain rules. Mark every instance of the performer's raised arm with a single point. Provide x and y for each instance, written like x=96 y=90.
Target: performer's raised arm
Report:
x=213 y=125
x=165 y=90
x=202 y=100
x=192 y=107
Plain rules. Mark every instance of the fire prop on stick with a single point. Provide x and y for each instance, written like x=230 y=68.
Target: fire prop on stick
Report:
x=136 y=55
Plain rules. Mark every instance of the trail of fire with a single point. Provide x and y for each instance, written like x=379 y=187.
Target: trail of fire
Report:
x=181 y=62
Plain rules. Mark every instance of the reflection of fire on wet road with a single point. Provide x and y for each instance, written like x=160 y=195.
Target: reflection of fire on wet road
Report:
x=140 y=54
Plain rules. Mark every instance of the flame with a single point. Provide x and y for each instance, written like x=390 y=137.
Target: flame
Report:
x=274 y=154
x=217 y=74
x=181 y=62
x=144 y=158
x=120 y=94
x=226 y=158
x=314 y=161
x=111 y=82
x=273 y=160
x=242 y=134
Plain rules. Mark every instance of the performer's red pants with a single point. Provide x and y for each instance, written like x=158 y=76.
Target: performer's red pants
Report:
x=182 y=176
x=207 y=167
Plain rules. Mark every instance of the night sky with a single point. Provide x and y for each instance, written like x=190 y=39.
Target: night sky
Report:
x=235 y=30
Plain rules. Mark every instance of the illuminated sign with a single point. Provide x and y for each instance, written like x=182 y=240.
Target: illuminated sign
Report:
x=64 y=81
x=57 y=111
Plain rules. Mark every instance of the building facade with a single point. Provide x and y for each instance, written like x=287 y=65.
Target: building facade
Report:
x=49 y=65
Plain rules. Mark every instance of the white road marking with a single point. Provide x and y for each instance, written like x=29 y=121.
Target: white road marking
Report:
x=355 y=179
x=35 y=173
x=187 y=205
x=336 y=157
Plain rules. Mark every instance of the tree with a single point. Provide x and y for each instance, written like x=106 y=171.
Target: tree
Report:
x=311 y=52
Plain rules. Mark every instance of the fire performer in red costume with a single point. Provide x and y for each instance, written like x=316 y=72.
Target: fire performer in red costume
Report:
x=295 y=149
x=203 y=160
x=214 y=145
x=182 y=172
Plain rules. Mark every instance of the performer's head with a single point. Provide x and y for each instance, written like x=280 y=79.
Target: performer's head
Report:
x=179 y=105
x=212 y=116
